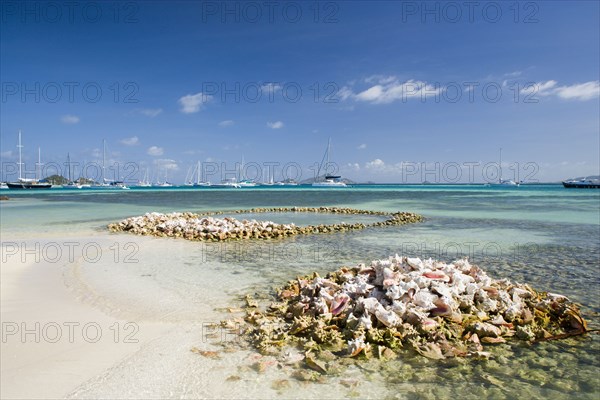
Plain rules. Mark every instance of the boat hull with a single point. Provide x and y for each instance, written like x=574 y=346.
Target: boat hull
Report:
x=28 y=185
x=581 y=185
x=330 y=184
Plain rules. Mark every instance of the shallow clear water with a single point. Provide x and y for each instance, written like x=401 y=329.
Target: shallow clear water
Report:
x=546 y=236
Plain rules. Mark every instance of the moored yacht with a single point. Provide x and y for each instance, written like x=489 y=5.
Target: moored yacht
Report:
x=144 y=182
x=108 y=183
x=25 y=183
x=228 y=183
x=583 y=183
x=329 y=180
x=503 y=182
x=199 y=182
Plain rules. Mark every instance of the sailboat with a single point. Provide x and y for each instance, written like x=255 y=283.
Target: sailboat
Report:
x=188 y=179
x=269 y=177
x=166 y=182
x=107 y=183
x=199 y=182
x=70 y=184
x=228 y=183
x=144 y=182
x=503 y=182
x=330 y=180
x=24 y=183
x=243 y=181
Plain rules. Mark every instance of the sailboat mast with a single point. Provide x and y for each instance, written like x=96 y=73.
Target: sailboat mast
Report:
x=328 y=150
x=39 y=164
x=103 y=159
x=241 y=174
x=500 y=167
x=69 y=166
x=198 y=172
x=20 y=146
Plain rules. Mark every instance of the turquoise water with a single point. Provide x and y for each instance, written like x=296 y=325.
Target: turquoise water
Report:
x=544 y=235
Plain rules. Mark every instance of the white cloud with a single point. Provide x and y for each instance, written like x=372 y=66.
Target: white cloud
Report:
x=70 y=119
x=375 y=164
x=345 y=93
x=275 y=125
x=378 y=166
x=192 y=103
x=353 y=167
x=581 y=91
x=381 y=79
x=389 y=89
x=270 y=87
x=362 y=146
x=226 y=123
x=541 y=88
x=155 y=151
x=165 y=163
x=151 y=112
x=6 y=154
x=513 y=74
x=132 y=141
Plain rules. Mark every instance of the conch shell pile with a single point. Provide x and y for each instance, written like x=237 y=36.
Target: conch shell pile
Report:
x=438 y=310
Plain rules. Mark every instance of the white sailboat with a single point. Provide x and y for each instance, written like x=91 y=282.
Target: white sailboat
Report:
x=70 y=184
x=269 y=178
x=228 y=183
x=107 y=183
x=188 y=179
x=243 y=182
x=503 y=182
x=166 y=183
x=144 y=182
x=199 y=182
x=329 y=180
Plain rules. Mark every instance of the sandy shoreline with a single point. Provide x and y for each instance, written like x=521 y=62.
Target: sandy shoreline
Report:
x=117 y=297
x=52 y=343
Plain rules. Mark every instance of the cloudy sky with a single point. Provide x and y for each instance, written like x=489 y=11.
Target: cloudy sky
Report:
x=407 y=91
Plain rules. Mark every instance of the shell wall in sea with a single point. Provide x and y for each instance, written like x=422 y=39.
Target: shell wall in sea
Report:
x=206 y=227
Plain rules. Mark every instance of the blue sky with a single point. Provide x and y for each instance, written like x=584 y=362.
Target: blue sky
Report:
x=406 y=90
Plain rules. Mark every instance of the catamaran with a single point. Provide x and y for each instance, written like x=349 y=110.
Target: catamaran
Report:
x=329 y=180
x=25 y=183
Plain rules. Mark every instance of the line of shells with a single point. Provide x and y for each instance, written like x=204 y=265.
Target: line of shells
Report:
x=206 y=227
